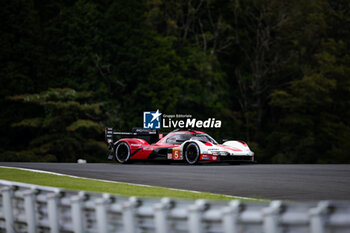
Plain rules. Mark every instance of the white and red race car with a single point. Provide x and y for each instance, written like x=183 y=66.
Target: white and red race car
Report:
x=189 y=145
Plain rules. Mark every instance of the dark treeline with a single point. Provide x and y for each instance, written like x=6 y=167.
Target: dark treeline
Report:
x=276 y=73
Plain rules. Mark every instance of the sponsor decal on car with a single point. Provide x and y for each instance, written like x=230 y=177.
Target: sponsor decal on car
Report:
x=135 y=144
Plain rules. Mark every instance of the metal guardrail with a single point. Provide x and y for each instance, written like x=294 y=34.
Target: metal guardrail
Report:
x=31 y=208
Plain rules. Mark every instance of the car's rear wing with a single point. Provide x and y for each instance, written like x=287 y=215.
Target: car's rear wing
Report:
x=150 y=135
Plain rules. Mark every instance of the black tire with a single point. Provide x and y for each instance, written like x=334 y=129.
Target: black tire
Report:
x=192 y=153
x=122 y=152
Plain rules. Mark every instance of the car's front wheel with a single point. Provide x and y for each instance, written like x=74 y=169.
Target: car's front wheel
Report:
x=122 y=152
x=192 y=153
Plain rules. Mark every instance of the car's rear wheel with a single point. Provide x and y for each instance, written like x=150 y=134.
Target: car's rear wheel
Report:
x=192 y=153
x=122 y=152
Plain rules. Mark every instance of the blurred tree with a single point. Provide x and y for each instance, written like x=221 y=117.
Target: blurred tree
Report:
x=19 y=52
x=314 y=110
x=197 y=31
x=66 y=127
x=142 y=72
x=72 y=40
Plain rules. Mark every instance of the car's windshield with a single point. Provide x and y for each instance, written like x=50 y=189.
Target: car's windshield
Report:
x=204 y=137
x=179 y=138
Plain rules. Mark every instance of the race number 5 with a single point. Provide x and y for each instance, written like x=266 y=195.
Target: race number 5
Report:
x=176 y=153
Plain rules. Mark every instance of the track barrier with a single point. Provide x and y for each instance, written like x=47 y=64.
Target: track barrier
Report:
x=32 y=208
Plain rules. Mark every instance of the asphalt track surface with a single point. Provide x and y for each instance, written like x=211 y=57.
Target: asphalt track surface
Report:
x=282 y=182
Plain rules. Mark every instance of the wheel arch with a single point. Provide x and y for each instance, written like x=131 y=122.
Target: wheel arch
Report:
x=134 y=143
x=200 y=144
x=236 y=143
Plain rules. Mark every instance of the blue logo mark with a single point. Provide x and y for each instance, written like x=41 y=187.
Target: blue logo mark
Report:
x=151 y=120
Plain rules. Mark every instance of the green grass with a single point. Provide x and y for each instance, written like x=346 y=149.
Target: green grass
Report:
x=91 y=185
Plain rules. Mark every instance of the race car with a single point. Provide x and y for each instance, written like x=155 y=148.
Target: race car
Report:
x=187 y=145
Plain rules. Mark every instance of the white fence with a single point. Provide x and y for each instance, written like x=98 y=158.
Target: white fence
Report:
x=30 y=208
